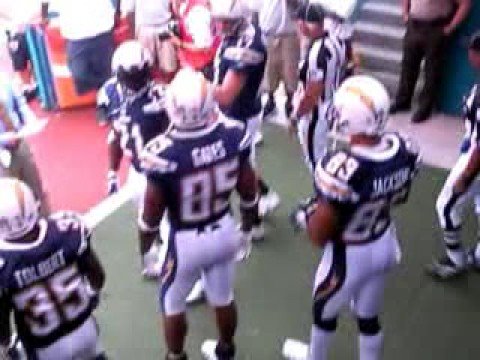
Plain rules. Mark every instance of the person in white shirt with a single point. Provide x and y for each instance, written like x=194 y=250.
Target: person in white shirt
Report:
x=87 y=26
x=283 y=48
x=152 y=18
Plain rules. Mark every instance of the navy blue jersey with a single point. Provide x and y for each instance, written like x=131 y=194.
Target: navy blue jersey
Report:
x=197 y=171
x=245 y=53
x=43 y=282
x=365 y=183
x=142 y=117
x=109 y=98
x=471 y=115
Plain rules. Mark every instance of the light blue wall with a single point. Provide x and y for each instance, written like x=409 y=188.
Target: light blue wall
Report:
x=458 y=76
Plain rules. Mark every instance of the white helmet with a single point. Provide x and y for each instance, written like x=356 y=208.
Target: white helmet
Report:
x=343 y=9
x=131 y=63
x=189 y=100
x=360 y=106
x=229 y=9
x=18 y=209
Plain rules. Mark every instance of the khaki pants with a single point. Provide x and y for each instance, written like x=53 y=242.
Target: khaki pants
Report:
x=23 y=168
x=282 y=63
x=162 y=50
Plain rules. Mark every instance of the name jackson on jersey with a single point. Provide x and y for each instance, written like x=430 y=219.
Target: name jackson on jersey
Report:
x=365 y=184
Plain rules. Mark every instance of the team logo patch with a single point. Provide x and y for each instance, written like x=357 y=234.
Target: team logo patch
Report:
x=167 y=270
x=327 y=288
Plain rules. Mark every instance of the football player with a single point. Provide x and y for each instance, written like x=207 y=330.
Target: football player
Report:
x=461 y=185
x=192 y=170
x=238 y=72
x=357 y=187
x=320 y=75
x=135 y=104
x=49 y=277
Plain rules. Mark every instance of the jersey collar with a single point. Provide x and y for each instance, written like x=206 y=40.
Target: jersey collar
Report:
x=185 y=134
x=384 y=150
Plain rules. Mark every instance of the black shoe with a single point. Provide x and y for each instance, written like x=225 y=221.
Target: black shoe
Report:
x=398 y=106
x=30 y=91
x=288 y=106
x=421 y=116
x=269 y=107
x=444 y=269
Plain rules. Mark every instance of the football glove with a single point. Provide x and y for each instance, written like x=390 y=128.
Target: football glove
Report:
x=112 y=182
x=299 y=216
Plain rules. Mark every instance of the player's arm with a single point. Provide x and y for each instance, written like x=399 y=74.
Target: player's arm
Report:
x=150 y=216
x=231 y=86
x=247 y=188
x=93 y=270
x=323 y=223
x=115 y=155
x=88 y=262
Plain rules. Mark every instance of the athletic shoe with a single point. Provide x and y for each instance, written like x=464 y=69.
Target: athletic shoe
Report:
x=258 y=139
x=269 y=107
x=196 y=294
x=445 y=269
x=152 y=266
x=29 y=91
x=295 y=350
x=245 y=249
x=209 y=351
x=268 y=203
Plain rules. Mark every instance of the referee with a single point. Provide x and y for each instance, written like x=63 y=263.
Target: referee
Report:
x=321 y=72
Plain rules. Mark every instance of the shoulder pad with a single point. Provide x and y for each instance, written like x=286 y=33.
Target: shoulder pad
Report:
x=231 y=123
x=153 y=159
x=109 y=89
x=332 y=176
x=156 y=96
x=72 y=221
x=244 y=55
x=246 y=139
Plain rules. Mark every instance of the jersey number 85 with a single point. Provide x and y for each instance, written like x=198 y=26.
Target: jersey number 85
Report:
x=205 y=193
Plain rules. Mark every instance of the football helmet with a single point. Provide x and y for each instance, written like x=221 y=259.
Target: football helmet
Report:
x=132 y=63
x=230 y=14
x=19 y=210
x=189 y=100
x=360 y=106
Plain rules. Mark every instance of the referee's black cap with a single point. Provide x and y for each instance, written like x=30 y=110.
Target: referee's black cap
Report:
x=310 y=12
x=474 y=43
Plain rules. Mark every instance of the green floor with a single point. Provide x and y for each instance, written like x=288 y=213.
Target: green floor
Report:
x=423 y=320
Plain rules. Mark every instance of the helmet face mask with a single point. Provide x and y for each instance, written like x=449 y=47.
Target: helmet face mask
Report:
x=19 y=210
x=132 y=63
x=134 y=79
